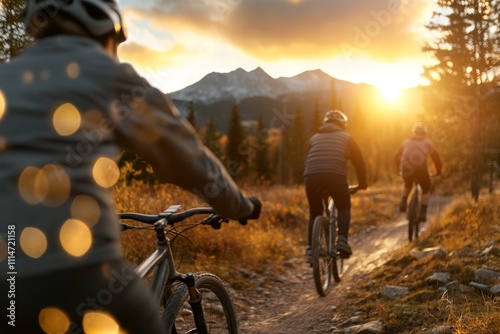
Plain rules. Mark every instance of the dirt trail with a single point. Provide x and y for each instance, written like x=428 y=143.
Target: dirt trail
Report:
x=290 y=304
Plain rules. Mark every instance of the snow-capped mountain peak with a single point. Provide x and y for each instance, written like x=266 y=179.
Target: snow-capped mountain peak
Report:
x=240 y=84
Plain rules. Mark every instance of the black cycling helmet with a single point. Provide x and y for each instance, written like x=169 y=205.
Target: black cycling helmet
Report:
x=98 y=17
x=337 y=117
x=419 y=129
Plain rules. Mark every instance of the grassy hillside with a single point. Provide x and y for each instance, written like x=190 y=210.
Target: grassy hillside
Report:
x=469 y=232
x=465 y=230
x=279 y=234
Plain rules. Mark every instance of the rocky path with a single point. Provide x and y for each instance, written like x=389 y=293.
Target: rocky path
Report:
x=288 y=303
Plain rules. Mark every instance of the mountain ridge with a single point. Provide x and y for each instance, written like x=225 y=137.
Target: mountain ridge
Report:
x=240 y=84
x=256 y=94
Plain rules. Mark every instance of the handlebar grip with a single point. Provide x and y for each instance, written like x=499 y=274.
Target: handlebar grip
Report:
x=150 y=219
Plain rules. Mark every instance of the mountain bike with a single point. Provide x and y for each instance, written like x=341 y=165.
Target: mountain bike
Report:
x=414 y=213
x=188 y=303
x=325 y=259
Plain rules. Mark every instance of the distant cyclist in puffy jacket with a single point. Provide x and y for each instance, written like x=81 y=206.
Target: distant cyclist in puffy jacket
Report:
x=326 y=172
x=411 y=161
x=67 y=108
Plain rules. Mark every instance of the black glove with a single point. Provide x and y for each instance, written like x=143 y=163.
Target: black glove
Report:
x=257 y=206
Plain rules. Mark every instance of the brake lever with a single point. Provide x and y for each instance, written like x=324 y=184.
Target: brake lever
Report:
x=354 y=190
x=215 y=221
x=125 y=227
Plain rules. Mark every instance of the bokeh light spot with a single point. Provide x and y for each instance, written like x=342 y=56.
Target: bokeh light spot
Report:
x=75 y=237
x=33 y=242
x=85 y=209
x=66 y=119
x=32 y=185
x=3 y=104
x=53 y=320
x=99 y=322
x=58 y=185
x=106 y=172
x=27 y=77
x=73 y=70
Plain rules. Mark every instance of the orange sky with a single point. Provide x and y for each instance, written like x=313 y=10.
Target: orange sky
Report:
x=175 y=43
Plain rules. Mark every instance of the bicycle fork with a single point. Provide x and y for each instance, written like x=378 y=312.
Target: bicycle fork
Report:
x=195 y=299
x=332 y=248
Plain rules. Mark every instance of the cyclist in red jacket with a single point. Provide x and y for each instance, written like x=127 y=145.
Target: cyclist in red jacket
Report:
x=411 y=161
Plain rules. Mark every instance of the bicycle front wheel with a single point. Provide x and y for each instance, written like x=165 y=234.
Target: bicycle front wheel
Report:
x=337 y=261
x=321 y=256
x=413 y=212
x=218 y=307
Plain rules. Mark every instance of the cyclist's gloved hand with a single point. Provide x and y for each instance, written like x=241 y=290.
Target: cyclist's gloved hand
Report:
x=257 y=206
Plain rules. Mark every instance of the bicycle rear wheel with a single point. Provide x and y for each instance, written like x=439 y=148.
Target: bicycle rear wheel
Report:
x=320 y=257
x=413 y=212
x=218 y=307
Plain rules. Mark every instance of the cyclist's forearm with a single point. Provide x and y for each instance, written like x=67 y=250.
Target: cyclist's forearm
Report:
x=176 y=154
x=437 y=162
x=215 y=186
x=358 y=162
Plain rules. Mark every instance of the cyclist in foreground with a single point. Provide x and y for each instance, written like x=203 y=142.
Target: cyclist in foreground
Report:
x=67 y=107
x=326 y=171
x=411 y=161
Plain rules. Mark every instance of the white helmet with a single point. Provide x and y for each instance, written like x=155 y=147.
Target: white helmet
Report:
x=336 y=116
x=98 y=17
x=419 y=129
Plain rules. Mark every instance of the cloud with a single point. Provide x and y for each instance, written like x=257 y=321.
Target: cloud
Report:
x=144 y=56
x=140 y=54
x=299 y=29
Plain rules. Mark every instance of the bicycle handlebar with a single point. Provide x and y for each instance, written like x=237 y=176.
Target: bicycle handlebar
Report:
x=353 y=189
x=171 y=218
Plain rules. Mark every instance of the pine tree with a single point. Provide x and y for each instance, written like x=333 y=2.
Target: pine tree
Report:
x=13 y=38
x=191 y=117
x=316 y=121
x=211 y=138
x=235 y=159
x=299 y=144
x=333 y=97
x=466 y=47
x=284 y=155
x=262 y=151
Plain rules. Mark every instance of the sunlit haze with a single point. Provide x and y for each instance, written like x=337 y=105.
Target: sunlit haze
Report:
x=175 y=43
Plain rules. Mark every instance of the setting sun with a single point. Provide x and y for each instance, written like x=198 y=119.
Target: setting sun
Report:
x=172 y=47
x=390 y=93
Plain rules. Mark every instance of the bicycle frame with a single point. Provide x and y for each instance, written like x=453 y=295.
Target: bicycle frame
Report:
x=413 y=212
x=325 y=259
x=162 y=260
x=331 y=214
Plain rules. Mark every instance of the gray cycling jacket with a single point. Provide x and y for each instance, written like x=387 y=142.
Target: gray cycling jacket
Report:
x=66 y=111
x=329 y=151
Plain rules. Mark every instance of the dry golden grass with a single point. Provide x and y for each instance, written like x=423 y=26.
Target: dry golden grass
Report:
x=271 y=239
x=465 y=231
x=280 y=234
